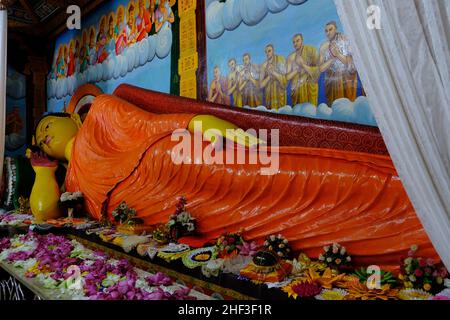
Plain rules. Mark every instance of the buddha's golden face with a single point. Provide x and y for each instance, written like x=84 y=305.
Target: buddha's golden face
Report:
x=53 y=133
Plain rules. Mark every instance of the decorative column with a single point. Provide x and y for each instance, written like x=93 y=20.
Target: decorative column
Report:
x=188 y=63
x=36 y=70
x=3 y=70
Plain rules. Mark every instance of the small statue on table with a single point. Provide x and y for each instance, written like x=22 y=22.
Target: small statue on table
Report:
x=181 y=223
x=71 y=201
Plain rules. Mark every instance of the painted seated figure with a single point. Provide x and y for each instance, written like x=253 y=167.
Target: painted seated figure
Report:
x=318 y=196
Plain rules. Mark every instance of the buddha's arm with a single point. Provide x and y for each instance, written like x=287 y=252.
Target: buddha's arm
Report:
x=213 y=127
x=68 y=149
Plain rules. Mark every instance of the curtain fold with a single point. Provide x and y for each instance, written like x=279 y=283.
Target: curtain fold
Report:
x=405 y=70
x=3 y=70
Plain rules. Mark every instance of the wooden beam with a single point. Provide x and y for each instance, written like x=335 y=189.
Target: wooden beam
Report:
x=27 y=6
x=58 y=23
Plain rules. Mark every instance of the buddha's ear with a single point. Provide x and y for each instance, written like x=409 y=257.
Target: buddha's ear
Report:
x=76 y=117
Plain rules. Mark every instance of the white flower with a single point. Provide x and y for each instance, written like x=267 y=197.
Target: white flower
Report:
x=447 y=283
x=343 y=251
x=326 y=248
x=329 y=259
x=272 y=238
x=321 y=257
x=349 y=259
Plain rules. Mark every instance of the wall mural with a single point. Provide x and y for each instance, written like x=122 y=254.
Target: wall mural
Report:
x=15 y=113
x=284 y=56
x=124 y=41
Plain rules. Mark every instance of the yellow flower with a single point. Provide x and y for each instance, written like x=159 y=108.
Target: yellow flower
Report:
x=427 y=287
x=359 y=291
x=326 y=280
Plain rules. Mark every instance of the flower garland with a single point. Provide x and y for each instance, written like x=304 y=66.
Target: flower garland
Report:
x=279 y=245
x=422 y=273
x=302 y=289
x=181 y=223
x=228 y=245
x=336 y=257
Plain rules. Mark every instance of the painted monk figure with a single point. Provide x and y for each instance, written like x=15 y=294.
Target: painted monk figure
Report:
x=249 y=83
x=92 y=47
x=164 y=15
x=317 y=196
x=120 y=30
x=233 y=84
x=143 y=21
x=110 y=36
x=341 y=78
x=132 y=32
x=273 y=79
x=218 y=89
x=102 y=52
x=303 y=72
x=84 y=52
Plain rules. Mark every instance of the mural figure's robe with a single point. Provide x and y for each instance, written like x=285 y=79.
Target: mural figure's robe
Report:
x=319 y=196
x=305 y=86
x=250 y=91
x=275 y=90
x=233 y=89
x=341 y=81
x=144 y=24
x=218 y=91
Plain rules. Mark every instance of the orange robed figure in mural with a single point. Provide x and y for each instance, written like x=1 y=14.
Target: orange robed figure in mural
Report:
x=318 y=196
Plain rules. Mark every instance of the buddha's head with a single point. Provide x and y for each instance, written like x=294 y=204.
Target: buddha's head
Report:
x=55 y=131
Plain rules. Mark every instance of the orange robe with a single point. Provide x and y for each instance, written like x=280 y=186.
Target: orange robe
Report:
x=319 y=196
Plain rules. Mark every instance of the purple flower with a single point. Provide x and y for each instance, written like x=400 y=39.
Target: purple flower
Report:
x=5 y=244
x=183 y=294
x=159 y=279
x=19 y=256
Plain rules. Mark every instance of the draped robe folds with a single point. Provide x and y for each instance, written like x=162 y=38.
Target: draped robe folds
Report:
x=319 y=196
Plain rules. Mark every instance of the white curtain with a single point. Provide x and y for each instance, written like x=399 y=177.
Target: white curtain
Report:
x=3 y=43
x=405 y=69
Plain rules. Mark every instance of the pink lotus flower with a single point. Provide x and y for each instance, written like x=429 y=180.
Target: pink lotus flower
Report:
x=422 y=263
x=430 y=262
x=418 y=273
x=248 y=249
x=159 y=279
x=441 y=298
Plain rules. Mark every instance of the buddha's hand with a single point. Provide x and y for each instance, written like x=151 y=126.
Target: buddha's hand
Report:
x=213 y=128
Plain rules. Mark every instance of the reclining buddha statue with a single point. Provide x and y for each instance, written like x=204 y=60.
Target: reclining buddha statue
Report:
x=123 y=152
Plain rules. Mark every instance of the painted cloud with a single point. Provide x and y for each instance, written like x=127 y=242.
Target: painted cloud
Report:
x=221 y=16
